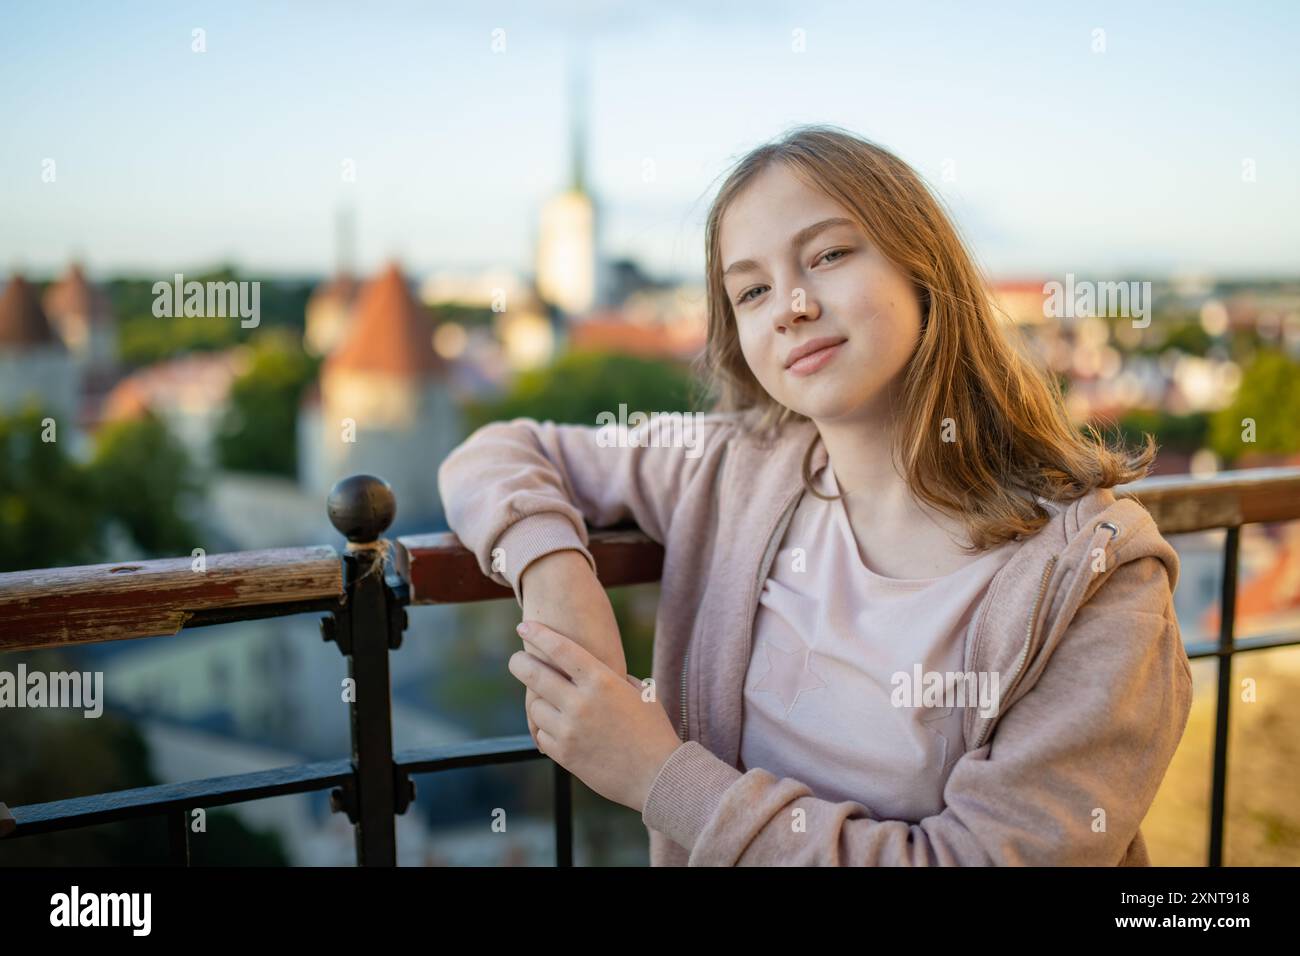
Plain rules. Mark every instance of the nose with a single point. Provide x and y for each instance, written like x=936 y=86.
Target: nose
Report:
x=802 y=307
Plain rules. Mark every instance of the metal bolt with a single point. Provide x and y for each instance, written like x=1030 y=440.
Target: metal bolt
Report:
x=340 y=803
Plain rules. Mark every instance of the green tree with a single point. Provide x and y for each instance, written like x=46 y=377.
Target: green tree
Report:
x=470 y=316
x=581 y=384
x=1269 y=397
x=1184 y=433
x=145 y=479
x=144 y=338
x=1189 y=337
x=48 y=512
x=259 y=430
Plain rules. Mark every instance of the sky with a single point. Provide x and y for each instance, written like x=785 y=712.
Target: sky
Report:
x=1054 y=155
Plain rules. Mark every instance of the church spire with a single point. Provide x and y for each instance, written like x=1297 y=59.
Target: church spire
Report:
x=578 y=125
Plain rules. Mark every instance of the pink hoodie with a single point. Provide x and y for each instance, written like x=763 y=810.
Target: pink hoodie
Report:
x=1079 y=627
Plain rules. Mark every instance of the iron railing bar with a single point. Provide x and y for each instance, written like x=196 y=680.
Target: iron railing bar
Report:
x=256 y=612
x=178 y=836
x=374 y=809
x=96 y=809
x=1228 y=611
x=563 y=817
x=1264 y=642
x=76 y=812
x=469 y=753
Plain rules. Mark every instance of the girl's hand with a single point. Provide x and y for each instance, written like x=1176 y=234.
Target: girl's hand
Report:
x=592 y=721
x=560 y=590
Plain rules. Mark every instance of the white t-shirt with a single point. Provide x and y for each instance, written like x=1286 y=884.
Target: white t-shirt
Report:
x=823 y=703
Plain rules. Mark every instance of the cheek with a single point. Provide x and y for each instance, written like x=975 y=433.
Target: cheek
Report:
x=750 y=346
x=754 y=350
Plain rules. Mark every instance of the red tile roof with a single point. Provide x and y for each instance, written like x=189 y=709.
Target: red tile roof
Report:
x=74 y=295
x=22 y=321
x=391 y=332
x=196 y=380
x=650 y=341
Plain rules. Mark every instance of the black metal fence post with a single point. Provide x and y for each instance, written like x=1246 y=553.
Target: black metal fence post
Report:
x=1222 y=711
x=361 y=508
x=178 y=836
x=563 y=816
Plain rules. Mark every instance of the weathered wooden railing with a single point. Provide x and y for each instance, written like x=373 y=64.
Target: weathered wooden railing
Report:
x=363 y=597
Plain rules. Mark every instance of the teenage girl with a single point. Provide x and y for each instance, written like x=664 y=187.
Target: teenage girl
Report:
x=903 y=619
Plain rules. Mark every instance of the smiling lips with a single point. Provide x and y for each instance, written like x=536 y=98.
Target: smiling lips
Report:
x=813 y=355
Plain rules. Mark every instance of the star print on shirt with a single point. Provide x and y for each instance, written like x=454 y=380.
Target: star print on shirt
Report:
x=789 y=674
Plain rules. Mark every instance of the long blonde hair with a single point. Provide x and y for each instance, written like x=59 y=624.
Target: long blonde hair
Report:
x=1012 y=432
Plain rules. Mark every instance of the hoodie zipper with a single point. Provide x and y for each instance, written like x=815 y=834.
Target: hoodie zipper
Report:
x=1029 y=639
x=685 y=663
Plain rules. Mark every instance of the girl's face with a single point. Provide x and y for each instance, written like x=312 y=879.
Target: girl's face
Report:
x=800 y=272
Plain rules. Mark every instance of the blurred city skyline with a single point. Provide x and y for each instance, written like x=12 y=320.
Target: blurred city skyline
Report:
x=1129 y=160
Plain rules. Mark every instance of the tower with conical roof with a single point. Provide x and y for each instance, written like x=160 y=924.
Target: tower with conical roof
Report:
x=383 y=406
x=82 y=315
x=34 y=363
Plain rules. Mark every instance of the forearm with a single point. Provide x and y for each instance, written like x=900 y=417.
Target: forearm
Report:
x=561 y=591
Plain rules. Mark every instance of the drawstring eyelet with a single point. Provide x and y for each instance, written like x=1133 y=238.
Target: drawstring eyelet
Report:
x=1114 y=529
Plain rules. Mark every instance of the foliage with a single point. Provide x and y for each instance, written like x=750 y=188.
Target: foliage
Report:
x=470 y=316
x=54 y=509
x=44 y=497
x=144 y=338
x=258 y=431
x=580 y=385
x=144 y=478
x=1269 y=396
x=1185 y=433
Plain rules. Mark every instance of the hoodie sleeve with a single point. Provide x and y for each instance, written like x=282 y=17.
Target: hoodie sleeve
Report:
x=1066 y=779
x=522 y=489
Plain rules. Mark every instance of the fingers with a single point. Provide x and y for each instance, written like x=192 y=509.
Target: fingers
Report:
x=568 y=655
x=543 y=657
x=542 y=678
x=545 y=716
x=529 y=697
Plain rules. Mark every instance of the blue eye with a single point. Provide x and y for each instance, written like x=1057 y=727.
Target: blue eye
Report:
x=824 y=257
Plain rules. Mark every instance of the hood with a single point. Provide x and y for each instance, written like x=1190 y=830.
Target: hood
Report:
x=1037 y=594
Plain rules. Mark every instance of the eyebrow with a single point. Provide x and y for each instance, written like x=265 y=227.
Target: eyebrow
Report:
x=797 y=240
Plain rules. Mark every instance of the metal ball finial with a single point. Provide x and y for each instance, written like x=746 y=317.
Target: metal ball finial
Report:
x=361 y=507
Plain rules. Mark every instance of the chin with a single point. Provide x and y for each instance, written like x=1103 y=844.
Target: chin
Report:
x=829 y=408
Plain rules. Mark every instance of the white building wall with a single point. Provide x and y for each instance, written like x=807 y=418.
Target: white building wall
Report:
x=46 y=373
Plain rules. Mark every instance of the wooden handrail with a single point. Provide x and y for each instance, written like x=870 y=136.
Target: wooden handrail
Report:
x=108 y=602
x=95 y=603
x=440 y=570
x=1181 y=504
